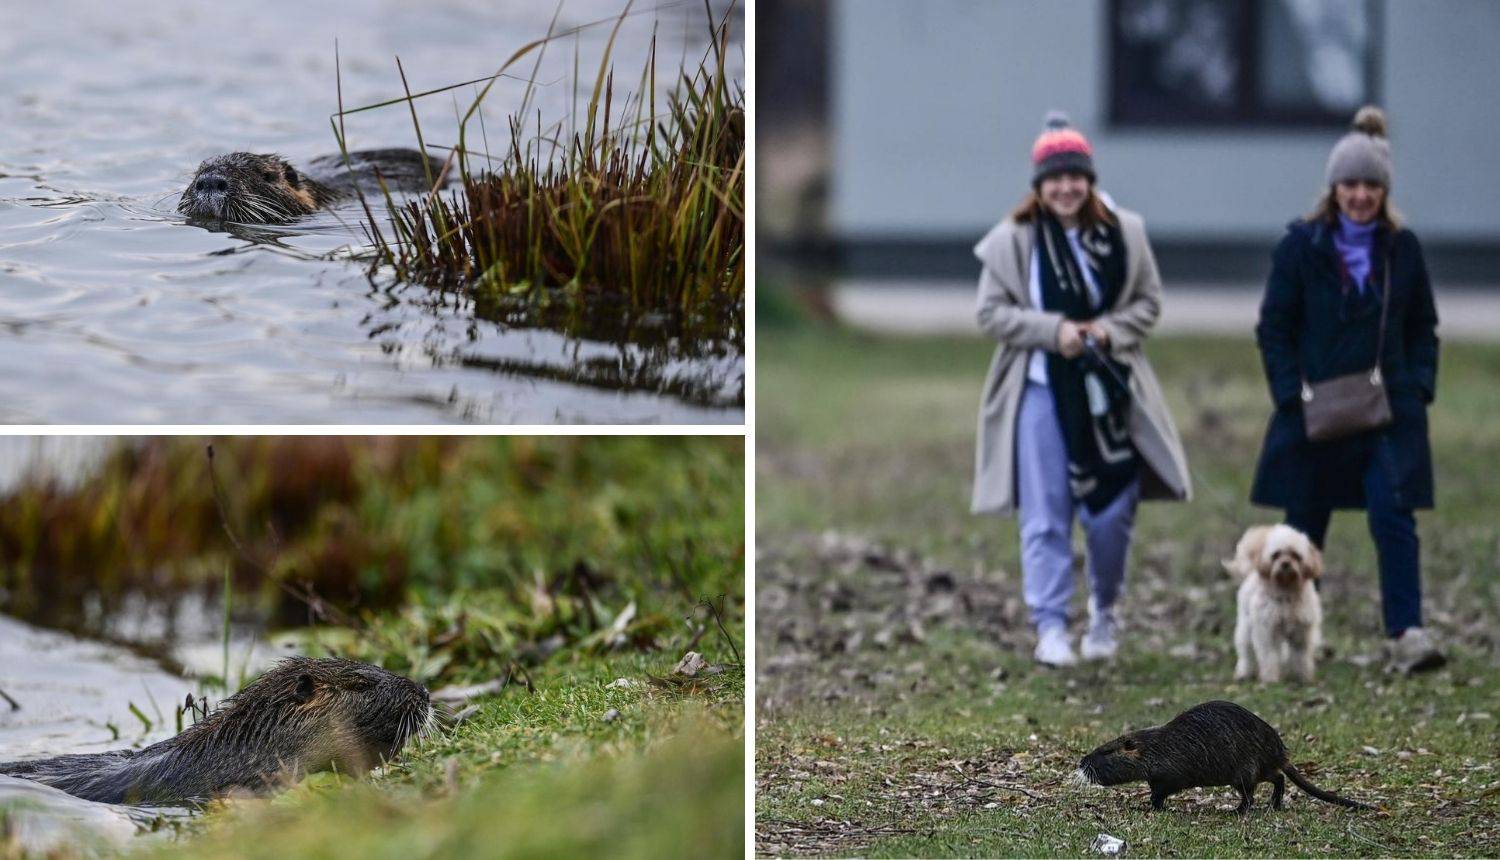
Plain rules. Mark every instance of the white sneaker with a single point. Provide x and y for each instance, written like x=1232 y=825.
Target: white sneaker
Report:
x=1101 y=641
x=1054 y=649
x=1414 y=651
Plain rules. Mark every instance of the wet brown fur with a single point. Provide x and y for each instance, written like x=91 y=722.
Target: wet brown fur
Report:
x=1212 y=744
x=264 y=188
x=302 y=716
x=254 y=189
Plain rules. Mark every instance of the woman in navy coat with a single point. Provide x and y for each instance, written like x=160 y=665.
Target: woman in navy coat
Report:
x=1320 y=318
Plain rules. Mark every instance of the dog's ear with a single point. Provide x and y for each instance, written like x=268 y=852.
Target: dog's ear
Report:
x=1246 y=553
x=1252 y=551
x=1313 y=566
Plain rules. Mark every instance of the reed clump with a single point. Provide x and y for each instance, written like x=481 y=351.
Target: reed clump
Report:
x=629 y=229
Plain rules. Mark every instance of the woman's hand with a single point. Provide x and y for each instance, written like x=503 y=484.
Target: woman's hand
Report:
x=1097 y=332
x=1070 y=338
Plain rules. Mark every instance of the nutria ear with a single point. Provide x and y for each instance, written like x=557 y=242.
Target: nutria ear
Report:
x=304 y=689
x=291 y=175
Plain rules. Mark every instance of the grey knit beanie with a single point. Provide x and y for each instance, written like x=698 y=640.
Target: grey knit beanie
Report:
x=1363 y=153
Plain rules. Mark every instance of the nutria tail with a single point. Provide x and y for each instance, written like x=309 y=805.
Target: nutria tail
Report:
x=1326 y=796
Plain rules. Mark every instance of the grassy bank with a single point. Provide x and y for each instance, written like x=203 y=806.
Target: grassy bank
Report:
x=540 y=774
x=898 y=710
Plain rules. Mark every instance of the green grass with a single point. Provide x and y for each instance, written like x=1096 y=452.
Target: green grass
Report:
x=878 y=741
x=540 y=774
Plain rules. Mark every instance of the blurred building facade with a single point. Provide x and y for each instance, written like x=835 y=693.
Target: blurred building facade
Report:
x=1212 y=118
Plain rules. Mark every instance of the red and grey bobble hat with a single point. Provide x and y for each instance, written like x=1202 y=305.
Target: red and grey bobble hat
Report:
x=1061 y=148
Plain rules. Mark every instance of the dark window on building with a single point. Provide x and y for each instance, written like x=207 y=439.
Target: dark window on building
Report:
x=1241 y=62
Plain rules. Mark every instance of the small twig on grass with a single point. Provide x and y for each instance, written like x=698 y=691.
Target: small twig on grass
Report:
x=517 y=668
x=1385 y=850
x=581 y=580
x=714 y=611
x=1006 y=787
x=698 y=633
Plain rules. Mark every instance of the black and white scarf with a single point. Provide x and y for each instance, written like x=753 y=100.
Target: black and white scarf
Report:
x=1091 y=392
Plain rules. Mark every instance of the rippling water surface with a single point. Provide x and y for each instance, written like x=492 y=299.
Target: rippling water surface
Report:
x=114 y=309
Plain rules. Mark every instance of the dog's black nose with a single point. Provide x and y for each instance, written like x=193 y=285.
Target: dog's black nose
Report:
x=211 y=182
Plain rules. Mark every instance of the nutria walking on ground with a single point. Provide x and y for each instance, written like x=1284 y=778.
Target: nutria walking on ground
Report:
x=304 y=715
x=265 y=189
x=1215 y=743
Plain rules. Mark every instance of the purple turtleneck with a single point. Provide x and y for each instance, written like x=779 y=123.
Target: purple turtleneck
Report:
x=1354 y=242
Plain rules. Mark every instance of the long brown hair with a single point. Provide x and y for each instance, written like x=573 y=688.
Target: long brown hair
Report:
x=1327 y=210
x=1090 y=215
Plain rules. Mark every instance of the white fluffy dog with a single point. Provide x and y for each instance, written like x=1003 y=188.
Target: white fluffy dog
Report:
x=1280 y=624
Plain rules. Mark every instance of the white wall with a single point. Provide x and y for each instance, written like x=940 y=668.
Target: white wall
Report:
x=936 y=103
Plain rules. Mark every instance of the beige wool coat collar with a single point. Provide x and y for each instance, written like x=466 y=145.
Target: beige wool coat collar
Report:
x=1006 y=314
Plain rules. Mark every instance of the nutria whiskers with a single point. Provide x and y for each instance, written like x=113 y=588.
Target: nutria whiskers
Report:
x=304 y=715
x=250 y=188
x=1215 y=743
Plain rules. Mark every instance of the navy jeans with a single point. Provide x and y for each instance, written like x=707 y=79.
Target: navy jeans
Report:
x=1394 y=528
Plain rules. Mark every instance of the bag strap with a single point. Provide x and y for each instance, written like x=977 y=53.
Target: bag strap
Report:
x=1385 y=306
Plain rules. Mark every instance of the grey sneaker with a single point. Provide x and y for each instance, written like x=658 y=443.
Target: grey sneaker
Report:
x=1102 y=639
x=1414 y=651
x=1054 y=649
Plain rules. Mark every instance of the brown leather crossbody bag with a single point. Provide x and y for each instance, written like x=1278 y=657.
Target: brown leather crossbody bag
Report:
x=1352 y=403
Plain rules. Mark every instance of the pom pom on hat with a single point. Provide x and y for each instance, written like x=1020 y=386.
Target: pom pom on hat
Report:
x=1060 y=148
x=1370 y=120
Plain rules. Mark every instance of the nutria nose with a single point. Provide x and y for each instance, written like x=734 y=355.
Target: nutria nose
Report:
x=211 y=183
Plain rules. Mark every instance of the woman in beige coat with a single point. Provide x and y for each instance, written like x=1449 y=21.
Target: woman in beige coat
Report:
x=1072 y=421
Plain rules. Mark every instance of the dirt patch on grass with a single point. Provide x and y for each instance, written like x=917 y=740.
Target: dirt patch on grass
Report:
x=843 y=617
x=837 y=613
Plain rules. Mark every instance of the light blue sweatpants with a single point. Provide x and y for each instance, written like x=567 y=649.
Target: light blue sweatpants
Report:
x=1046 y=513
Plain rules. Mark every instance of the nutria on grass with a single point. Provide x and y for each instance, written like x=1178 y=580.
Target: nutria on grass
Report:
x=250 y=188
x=1215 y=743
x=302 y=716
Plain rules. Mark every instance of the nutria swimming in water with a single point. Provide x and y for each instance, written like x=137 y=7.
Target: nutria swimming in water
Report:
x=252 y=188
x=302 y=716
x=1215 y=743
